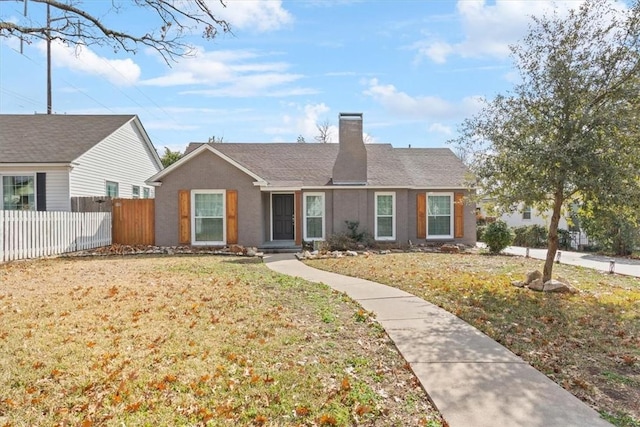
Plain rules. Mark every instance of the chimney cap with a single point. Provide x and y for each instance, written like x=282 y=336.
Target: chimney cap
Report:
x=351 y=116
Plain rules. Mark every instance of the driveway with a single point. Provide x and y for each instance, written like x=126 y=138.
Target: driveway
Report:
x=626 y=266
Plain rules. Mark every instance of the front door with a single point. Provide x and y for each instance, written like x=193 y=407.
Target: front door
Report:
x=282 y=206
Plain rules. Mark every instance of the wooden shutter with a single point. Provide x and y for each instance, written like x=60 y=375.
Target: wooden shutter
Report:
x=232 y=217
x=421 y=215
x=458 y=215
x=184 y=208
x=41 y=191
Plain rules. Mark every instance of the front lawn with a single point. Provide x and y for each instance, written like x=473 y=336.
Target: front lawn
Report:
x=589 y=343
x=192 y=340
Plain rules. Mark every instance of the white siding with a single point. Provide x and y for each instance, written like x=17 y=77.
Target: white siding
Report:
x=57 y=184
x=123 y=157
x=537 y=218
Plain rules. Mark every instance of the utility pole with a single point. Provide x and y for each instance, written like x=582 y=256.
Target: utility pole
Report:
x=48 y=60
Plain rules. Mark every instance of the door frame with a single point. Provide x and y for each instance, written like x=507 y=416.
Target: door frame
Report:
x=292 y=194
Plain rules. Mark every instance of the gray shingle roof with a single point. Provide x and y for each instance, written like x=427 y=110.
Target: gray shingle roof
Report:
x=43 y=138
x=311 y=164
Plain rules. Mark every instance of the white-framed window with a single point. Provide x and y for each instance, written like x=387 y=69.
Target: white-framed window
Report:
x=112 y=189
x=135 y=191
x=208 y=219
x=19 y=192
x=313 y=207
x=526 y=212
x=440 y=215
x=385 y=224
x=145 y=192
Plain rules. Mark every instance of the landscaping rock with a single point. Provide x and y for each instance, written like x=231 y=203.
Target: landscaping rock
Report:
x=450 y=249
x=531 y=276
x=351 y=253
x=536 y=285
x=518 y=283
x=252 y=251
x=558 y=286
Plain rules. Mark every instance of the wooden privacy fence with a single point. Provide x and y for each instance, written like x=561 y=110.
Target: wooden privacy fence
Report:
x=134 y=221
x=30 y=234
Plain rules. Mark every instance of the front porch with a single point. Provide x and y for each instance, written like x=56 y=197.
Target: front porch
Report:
x=280 y=246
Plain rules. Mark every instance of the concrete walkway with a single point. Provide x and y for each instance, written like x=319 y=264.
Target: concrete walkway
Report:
x=473 y=380
x=628 y=267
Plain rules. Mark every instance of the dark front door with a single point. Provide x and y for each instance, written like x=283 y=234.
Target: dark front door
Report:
x=282 y=205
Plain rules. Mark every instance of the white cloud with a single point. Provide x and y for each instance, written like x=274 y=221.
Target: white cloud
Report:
x=121 y=72
x=421 y=107
x=441 y=129
x=240 y=73
x=253 y=15
x=489 y=29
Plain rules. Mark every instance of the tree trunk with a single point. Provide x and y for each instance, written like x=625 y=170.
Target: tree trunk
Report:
x=552 y=243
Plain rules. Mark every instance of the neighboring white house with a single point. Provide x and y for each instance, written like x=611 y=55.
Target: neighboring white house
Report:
x=45 y=160
x=522 y=216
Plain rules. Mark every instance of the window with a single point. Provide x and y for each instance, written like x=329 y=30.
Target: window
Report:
x=385 y=226
x=439 y=215
x=19 y=193
x=145 y=192
x=526 y=212
x=135 y=192
x=208 y=224
x=112 y=189
x=313 y=216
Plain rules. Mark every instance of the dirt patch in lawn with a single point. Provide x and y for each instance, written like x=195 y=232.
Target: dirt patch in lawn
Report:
x=588 y=343
x=192 y=340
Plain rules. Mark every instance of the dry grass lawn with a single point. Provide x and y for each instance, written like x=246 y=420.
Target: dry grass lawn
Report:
x=192 y=340
x=589 y=343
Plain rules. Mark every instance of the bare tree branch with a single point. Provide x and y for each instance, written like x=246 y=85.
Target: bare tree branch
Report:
x=174 y=19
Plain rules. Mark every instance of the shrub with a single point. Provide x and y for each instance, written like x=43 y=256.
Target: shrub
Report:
x=498 y=236
x=564 y=239
x=530 y=236
x=480 y=229
x=351 y=239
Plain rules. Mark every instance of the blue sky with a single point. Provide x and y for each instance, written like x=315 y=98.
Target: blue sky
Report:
x=415 y=69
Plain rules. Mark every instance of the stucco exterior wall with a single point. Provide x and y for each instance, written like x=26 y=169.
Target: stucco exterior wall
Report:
x=207 y=171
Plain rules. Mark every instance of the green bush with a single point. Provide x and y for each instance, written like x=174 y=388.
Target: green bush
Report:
x=480 y=229
x=498 y=236
x=530 y=236
x=564 y=239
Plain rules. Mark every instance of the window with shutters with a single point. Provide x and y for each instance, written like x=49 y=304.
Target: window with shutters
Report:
x=440 y=215
x=208 y=220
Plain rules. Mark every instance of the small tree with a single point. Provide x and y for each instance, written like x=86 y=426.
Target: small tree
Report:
x=324 y=135
x=614 y=231
x=497 y=236
x=169 y=157
x=569 y=130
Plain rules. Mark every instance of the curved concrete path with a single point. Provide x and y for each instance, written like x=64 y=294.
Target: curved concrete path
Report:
x=473 y=380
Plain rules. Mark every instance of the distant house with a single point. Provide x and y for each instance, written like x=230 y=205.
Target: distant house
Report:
x=45 y=160
x=523 y=215
x=275 y=195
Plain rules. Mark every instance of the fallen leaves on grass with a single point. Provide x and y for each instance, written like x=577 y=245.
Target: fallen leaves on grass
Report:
x=189 y=341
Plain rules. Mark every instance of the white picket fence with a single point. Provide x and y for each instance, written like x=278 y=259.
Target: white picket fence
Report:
x=27 y=234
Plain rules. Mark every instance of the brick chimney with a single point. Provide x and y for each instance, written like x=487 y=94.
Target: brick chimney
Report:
x=350 y=167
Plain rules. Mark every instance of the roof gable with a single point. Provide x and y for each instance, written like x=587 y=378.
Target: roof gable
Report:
x=53 y=138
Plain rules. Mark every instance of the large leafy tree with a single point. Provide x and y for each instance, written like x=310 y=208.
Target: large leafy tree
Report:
x=166 y=24
x=570 y=129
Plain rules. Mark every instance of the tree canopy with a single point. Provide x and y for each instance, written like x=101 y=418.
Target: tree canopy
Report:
x=170 y=157
x=168 y=22
x=569 y=131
